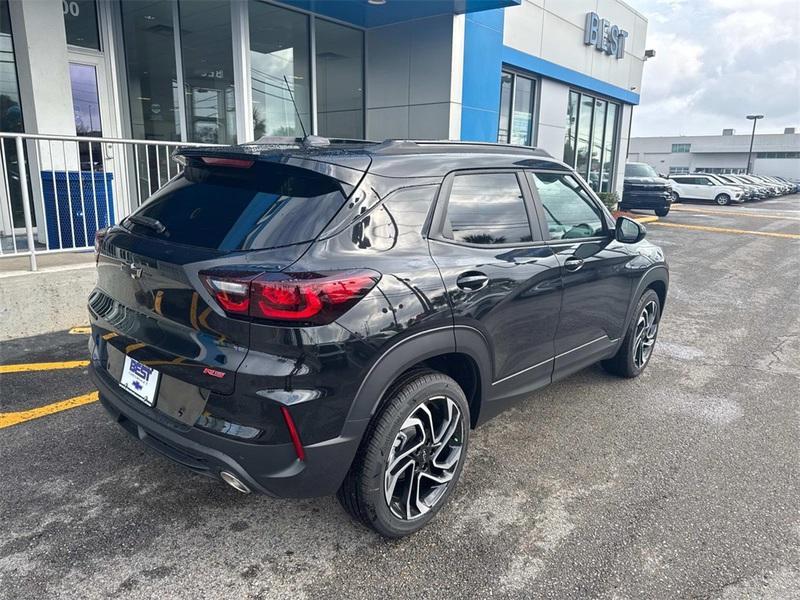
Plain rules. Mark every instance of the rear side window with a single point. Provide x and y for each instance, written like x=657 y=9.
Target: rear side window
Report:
x=486 y=209
x=263 y=206
x=569 y=210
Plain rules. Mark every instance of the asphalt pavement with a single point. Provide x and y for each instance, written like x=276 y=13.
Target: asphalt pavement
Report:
x=682 y=483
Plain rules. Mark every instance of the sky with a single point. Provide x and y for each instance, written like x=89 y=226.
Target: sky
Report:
x=717 y=61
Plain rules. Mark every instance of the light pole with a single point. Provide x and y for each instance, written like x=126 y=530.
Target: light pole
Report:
x=755 y=119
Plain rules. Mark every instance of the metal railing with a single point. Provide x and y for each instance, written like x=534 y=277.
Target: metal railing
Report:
x=56 y=191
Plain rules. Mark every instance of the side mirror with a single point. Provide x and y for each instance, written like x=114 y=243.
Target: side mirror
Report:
x=629 y=231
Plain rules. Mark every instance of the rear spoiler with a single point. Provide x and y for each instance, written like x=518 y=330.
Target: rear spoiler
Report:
x=346 y=167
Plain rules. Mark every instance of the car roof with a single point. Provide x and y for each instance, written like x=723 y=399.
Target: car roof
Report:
x=391 y=158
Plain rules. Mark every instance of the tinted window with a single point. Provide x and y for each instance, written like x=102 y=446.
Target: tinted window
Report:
x=569 y=210
x=487 y=209
x=264 y=206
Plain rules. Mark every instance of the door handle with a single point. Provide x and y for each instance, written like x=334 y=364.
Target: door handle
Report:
x=573 y=264
x=472 y=281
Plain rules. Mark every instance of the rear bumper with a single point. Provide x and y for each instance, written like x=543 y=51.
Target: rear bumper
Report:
x=274 y=470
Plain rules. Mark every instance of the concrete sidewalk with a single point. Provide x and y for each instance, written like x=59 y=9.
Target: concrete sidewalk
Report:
x=51 y=299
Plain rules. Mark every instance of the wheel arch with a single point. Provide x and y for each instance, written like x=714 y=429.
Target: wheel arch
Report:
x=657 y=279
x=461 y=356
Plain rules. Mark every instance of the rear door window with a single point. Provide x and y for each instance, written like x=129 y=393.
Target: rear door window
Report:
x=227 y=209
x=487 y=209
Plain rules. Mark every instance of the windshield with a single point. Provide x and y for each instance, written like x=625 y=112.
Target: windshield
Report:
x=263 y=206
x=639 y=170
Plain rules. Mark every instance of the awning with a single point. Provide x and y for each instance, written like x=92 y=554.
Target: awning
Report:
x=365 y=14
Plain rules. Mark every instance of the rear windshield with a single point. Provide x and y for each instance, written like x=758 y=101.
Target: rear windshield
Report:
x=224 y=208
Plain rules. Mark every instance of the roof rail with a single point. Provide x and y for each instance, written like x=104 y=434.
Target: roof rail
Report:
x=390 y=145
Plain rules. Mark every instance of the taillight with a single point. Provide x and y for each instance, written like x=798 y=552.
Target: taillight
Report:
x=302 y=298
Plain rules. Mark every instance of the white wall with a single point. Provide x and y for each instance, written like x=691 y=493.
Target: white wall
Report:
x=552 y=122
x=408 y=79
x=725 y=151
x=553 y=30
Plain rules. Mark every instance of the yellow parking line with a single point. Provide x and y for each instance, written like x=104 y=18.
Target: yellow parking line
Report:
x=82 y=330
x=790 y=236
x=735 y=213
x=15 y=418
x=48 y=366
x=646 y=219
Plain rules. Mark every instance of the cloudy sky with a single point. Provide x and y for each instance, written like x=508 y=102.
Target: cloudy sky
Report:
x=716 y=61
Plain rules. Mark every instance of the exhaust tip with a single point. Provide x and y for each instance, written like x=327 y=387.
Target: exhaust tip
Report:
x=234 y=482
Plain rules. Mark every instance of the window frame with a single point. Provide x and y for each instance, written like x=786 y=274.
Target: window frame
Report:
x=605 y=216
x=615 y=133
x=536 y=83
x=442 y=201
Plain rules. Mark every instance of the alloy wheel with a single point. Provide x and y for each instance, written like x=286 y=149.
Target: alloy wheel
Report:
x=646 y=332
x=423 y=458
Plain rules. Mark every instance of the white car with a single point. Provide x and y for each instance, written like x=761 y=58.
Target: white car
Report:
x=703 y=187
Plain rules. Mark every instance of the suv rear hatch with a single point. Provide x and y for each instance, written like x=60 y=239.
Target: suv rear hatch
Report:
x=226 y=213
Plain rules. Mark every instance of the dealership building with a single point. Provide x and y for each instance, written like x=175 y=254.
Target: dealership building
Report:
x=776 y=154
x=560 y=75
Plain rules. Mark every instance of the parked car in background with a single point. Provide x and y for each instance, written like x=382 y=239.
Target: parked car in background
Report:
x=760 y=191
x=748 y=192
x=703 y=187
x=323 y=316
x=783 y=186
x=645 y=189
x=773 y=190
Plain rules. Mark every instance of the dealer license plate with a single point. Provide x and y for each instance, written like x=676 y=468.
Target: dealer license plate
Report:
x=140 y=380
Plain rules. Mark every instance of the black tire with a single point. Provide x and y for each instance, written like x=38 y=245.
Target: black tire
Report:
x=662 y=212
x=675 y=197
x=624 y=362
x=723 y=199
x=362 y=493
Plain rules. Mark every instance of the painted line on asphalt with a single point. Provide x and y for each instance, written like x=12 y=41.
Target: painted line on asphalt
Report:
x=48 y=366
x=734 y=213
x=15 y=418
x=81 y=330
x=789 y=236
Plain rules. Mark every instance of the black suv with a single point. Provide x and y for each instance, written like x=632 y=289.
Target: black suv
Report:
x=645 y=189
x=319 y=317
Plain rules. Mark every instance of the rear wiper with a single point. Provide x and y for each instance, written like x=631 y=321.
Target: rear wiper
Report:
x=149 y=222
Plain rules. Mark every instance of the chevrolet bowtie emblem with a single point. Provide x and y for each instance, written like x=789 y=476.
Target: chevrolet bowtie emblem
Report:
x=134 y=270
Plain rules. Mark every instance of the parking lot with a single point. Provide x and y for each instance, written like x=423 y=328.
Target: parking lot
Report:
x=681 y=483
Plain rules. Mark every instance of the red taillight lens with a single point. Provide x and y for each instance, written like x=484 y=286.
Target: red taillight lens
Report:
x=307 y=298
x=232 y=292
x=234 y=163
x=295 y=437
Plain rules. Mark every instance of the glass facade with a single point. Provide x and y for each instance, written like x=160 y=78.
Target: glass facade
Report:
x=207 y=52
x=10 y=116
x=183 y=80
x=80 y=23
x=340 y=80
x=279 y=57
x=517 y=97
x=152 y=74
x=590 y=141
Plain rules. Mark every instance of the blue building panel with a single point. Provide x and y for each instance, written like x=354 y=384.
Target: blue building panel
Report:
x=545 y=68
x=483 y=62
